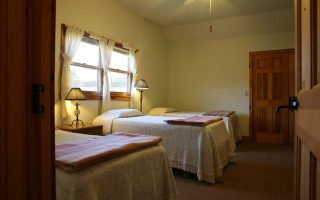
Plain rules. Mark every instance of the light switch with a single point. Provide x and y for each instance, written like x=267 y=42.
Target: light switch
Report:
x=246 y=93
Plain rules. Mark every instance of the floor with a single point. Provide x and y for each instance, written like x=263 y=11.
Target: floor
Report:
x=262 y=172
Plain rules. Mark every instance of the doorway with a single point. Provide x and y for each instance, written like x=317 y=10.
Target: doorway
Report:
x=272 y=82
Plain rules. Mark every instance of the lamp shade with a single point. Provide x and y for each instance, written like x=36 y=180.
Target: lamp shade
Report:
x=141 y=85
x=76 y=94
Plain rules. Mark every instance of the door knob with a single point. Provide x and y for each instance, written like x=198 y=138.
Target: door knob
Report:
x=293 y=105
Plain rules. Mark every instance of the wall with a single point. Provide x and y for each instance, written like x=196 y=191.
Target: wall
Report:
x=109 y=18
x=211 y=70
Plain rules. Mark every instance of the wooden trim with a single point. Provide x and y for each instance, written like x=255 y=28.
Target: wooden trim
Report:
x=120 y=96
x=3 y=99
x=40 y=65
x=310 y=141
x=313 y=41
x=298 y=40
x=62 y=44
x=297 y=168
x=86 y=66
x=121 y=46
x=119 y=71
x=52 y=179
x=251 y=124
x=292 y=91
x=91 y=95
x=273 y=51
x=117 y=44
x=313 y=177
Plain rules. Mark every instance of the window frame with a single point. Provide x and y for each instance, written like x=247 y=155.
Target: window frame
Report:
x=92 y=95
x=122 y=96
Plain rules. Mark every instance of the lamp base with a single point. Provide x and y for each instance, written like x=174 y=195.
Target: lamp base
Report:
x=141 y=99
x=77 y=122
x=77 y=113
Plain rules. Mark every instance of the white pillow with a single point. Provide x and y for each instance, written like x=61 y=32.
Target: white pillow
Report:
x=113 y=114
x=160 y=111
x=123 y=113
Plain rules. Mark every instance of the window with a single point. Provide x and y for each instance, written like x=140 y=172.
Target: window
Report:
x=85 y=68
x=86 y=71
x=120 y=76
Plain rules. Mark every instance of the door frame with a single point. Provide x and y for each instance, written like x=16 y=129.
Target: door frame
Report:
x=251 y=137
x=308 y=93
x=27 y=49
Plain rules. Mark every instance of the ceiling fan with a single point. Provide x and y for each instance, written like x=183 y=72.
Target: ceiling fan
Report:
x=188 y=2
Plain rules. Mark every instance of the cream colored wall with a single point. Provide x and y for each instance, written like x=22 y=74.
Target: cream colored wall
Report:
x=109 y=18
x=211 y=70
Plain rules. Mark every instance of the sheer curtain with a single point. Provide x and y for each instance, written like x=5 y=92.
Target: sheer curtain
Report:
x=106 y=52
x=133 y=70
x=71 y=44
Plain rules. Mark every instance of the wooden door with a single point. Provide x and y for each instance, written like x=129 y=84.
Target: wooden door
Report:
x=26 y=138
x=272 y=82
x=307 y=139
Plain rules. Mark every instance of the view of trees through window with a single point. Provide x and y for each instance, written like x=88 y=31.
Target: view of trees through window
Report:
x=86 y=70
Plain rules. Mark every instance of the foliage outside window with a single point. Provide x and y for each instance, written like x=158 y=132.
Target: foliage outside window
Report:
x=86 y=71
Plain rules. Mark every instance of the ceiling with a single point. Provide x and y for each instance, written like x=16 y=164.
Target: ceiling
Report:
x=180 y=12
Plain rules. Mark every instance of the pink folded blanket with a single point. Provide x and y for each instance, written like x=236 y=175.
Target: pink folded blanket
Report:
x=194 y=121
x=221 y=113
x=75 y=156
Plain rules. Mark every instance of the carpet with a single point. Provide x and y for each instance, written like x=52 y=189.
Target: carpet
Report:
x=261 y=172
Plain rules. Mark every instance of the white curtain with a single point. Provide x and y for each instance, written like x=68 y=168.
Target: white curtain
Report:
x=71 y=44
x=106 y=52
x=133 y=70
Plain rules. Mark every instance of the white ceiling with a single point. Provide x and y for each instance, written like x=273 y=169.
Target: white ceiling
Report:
x=180 y=12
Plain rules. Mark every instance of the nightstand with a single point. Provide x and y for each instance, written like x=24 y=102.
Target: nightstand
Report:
x=89 y=129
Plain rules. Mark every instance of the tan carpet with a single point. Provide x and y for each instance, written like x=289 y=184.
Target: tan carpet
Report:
x=262 y=172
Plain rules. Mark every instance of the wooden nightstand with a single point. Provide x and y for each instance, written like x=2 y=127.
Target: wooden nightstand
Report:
x=89 y=129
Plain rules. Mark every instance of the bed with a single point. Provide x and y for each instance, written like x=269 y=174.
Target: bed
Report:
x=230 y=121
x=203 y=151
x=144 y=174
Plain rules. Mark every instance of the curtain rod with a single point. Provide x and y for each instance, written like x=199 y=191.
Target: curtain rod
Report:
x=89 y=33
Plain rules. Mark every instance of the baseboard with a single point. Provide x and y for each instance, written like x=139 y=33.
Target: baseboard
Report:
x=247 y=139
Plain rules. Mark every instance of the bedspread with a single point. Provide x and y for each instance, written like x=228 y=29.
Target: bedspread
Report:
x=203 y=151
x=145 y=174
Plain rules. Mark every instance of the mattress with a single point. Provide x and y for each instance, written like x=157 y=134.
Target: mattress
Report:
x=203 y=151
x=145 y=174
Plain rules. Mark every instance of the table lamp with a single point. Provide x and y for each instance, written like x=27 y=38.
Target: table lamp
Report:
x=141 y=85
x=76 y=94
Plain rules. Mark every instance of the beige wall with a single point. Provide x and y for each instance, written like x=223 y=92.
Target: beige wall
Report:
x=109 y=18
x=197 y=71
x=211 y=70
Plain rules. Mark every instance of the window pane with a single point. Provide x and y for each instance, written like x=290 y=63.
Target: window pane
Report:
x=87 y=54
x=119 y=82
x=85 y=78
x=119 y=61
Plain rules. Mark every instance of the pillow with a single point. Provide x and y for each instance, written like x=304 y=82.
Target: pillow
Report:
x=160 y=111
x=123 y=113
x=113 y=114
x=106 y=118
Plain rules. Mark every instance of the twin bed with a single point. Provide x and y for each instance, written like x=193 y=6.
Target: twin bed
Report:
x=230 y=120
x=143 y=174
x=147 y=174
x=203 y=151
